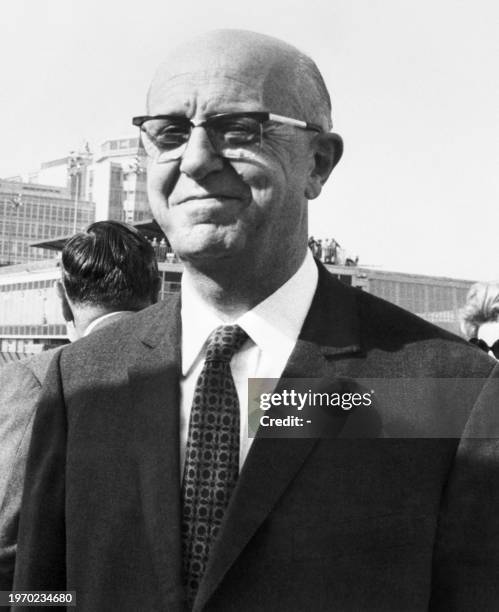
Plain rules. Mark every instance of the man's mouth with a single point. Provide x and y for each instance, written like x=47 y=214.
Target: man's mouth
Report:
x=209 y=196
x=220 y=197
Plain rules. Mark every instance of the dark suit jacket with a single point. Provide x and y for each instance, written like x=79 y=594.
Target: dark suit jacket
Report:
x=314 y=524
x=20 y=386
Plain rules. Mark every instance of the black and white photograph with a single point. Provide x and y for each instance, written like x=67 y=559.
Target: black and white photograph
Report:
x=249 y=306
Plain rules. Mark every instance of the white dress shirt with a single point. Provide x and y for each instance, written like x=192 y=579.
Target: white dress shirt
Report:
x=273 y=327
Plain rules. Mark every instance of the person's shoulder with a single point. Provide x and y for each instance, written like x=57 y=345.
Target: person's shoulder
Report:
x=378 y=318
x=389 y=330
x=114 y=338
x=15 y=380
x=28 y=371
x=39 y=364
x=20 y=384
x=379 y=314
x=106 y=354
x=427 y=346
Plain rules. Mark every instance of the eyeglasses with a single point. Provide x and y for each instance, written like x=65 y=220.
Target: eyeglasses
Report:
x=232 y=135
x=481 y=344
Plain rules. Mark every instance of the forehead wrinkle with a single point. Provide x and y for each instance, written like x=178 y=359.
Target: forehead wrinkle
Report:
x=203 y=88
x=206 y=75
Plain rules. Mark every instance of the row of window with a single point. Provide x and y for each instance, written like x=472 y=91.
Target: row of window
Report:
x=126 y=143
x=33 y=330
x=28 y=201
x=48 y=283
x=33 y=233
x=44 y=212
x=30 y=285
x=24 y=256
x=420 y=298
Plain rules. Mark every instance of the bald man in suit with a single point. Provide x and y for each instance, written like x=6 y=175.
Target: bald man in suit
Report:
x=238 y=137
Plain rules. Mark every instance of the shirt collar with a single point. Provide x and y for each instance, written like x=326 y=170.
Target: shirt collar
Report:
x=98 y=320
x=273 y=324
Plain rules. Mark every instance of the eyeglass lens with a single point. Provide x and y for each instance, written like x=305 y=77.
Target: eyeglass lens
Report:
x=234 y=137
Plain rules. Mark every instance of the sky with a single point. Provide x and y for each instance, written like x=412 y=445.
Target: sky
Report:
x=414 y=85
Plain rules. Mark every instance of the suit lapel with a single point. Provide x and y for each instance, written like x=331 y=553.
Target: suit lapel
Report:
x=327 y=347
x=154 y=384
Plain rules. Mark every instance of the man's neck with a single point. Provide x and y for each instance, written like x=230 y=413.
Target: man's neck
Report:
x=85 y=316
x=231 y=290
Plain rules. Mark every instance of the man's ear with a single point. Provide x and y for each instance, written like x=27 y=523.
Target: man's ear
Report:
x=67 y=311
x=327 y=151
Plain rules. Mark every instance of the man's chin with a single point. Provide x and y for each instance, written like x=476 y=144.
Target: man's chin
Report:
x=207 y=254
x=203 y=243
x=208 y=251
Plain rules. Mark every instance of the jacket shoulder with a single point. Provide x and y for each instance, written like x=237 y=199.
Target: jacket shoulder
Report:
x=115 y=338
x=40 y=363
x=409 y=342
x=27 y=372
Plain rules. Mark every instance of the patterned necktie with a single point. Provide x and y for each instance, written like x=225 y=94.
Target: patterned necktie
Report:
x=212 y=456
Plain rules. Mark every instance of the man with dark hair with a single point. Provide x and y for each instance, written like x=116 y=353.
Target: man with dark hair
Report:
x=185 y=511
x=108 y=272
x=112 y=265
x=108 y=269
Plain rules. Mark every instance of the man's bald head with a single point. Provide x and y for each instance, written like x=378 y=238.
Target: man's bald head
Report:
x=238 y=185
x=289 y=82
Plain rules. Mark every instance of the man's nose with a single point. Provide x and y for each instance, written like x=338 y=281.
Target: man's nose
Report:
x=200 y=158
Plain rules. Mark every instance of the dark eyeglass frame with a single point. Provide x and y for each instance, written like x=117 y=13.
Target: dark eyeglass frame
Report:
x=481 y=344
x=260 y=116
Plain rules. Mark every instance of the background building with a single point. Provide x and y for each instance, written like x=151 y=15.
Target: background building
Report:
x=30 y=310
x=117 y=181
x=113 y=177
x=31 y=319
x=33 y=212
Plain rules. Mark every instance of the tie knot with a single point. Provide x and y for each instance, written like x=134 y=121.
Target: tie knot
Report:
x=224 y=341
